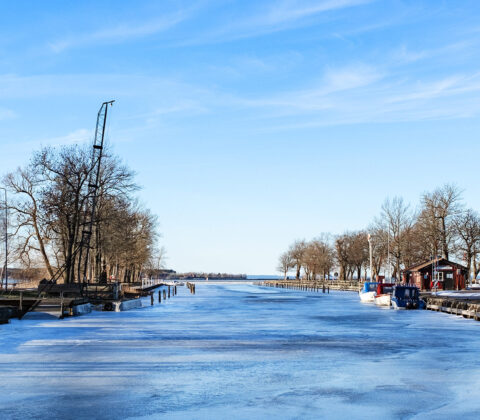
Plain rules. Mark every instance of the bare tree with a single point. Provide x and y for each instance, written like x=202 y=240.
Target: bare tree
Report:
x=30 y=228
x=358 y=251
x=415 y=248
x=379 y=248
x=156 y=263
x=159 y=258
x=297 y=251
x=324 y=254
x=285 y=263
x=63 y=198
x=311 y=260
x=396 y=221
x=128 y=240
x=436 y=217
x=467 y=229
x=351 y=253
x=342 y=254
x=49 y=207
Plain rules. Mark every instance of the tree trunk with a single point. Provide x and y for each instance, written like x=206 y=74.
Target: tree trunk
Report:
x=42 y=246
x=68 y=261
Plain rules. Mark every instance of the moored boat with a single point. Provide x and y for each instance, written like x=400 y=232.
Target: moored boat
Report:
x=384 y=294
x=367 y=293
x=406 y=297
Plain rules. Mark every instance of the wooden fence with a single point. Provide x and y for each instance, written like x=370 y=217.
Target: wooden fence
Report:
x=348 y=285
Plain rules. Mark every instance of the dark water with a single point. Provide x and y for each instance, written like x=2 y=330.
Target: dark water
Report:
x=239 y=351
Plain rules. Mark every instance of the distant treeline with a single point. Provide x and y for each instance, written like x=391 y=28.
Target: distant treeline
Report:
x=212 y=276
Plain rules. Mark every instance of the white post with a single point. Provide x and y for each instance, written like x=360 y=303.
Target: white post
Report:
x=371 y=258
x=389 y=275
x=470 y=282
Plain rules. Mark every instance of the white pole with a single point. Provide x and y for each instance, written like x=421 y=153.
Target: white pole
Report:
x=6 y=239
x=371 y=258
x=388 y=256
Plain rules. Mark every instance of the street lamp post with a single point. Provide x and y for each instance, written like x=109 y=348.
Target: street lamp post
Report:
x=371 y=259
x=6 y=238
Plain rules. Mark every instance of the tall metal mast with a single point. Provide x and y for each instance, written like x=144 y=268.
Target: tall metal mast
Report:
x=93 y=184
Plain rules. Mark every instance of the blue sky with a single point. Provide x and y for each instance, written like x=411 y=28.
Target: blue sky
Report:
x=252 y=123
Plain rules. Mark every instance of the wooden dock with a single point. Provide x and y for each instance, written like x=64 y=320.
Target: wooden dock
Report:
x=460 y=306
x=61 y=300
x=345 y=285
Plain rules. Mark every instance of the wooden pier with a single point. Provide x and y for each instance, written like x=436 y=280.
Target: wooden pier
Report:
x=61 y=300
x=467 y=308
x=309 y=286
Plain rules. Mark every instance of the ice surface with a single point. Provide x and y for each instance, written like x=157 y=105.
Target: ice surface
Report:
x=243 y=352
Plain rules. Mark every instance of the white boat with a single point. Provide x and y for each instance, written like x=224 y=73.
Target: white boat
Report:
x=383 y=300
x=368 y=291
x=383 y=296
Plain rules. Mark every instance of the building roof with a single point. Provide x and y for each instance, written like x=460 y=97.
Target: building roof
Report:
x=437 y=260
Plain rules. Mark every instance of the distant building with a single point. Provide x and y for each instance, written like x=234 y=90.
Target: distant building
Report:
x=447 y=274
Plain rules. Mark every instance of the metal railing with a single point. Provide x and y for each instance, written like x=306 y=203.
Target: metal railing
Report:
x=146 y=283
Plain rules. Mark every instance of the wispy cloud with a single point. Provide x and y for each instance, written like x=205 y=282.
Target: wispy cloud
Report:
x=449 y=86
x=356 y=93
x=319 y=97
x=79 y=136
x=274 y=17
x=366 y=95
x=405 y=55
x=351 y=77
x=6 y=114
x=181 y=107
x=290 y=10
x=122 y=31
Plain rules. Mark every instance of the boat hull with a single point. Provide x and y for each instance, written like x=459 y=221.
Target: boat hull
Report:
x=367 y=297
x=415 y=304
x=383 y=300
x=406 y=297
x=395 y=305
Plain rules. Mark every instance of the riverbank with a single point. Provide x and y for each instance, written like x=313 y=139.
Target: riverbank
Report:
x=465 y=303
x=66 y=300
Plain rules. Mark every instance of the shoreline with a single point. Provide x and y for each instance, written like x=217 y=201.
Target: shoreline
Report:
x=460 y=303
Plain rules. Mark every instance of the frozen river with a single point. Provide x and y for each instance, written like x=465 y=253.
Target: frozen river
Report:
x=240 y=351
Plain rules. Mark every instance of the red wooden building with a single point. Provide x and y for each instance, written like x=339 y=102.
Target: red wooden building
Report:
x=447 y=274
